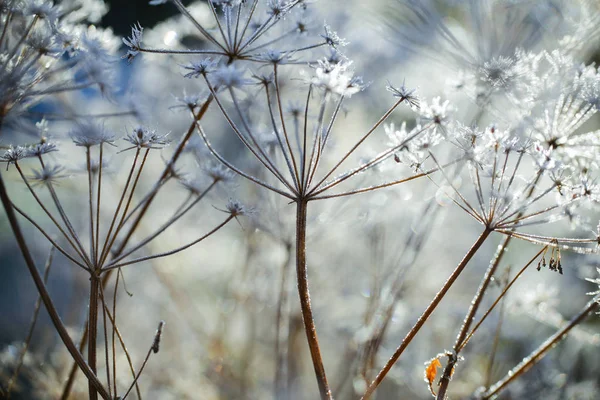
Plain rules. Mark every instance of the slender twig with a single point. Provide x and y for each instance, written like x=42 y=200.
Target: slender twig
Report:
x=48 y=303
x=426 y=314
x=134 y=225
x=360 y=141
x=166 y=225
x=105 y=331
x=463 y=338
x=171 y=252
x=88 y=159
x=153 y=349
x=281 y=321
x=495 y=344
x=93 y=329
x=204 y=32
x=114 y=331
x=98 y=198
x=27 y=342
x=49 y=238
x=66 y=392
x=127 y=355
x=127 y=205
x=41 y=204
x=541 y=351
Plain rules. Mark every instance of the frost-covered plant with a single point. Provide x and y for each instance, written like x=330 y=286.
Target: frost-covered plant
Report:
x=509 y=147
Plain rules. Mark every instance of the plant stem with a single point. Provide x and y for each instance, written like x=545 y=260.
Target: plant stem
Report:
x=477 y=299
x=307 y=315
x=93 y=329
x=475 y=303
x=541 y=351
x=34 y=318
x=68 y=386
x=427 y=313
x=47 y=300
x=166 y=172
x=281 y=323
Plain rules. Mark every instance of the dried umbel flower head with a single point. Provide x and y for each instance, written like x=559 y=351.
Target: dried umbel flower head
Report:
x=89 y=133
x=13 y=154
x=49 y=174
x=145 y=138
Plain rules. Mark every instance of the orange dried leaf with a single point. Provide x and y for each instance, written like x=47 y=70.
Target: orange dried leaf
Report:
x=431 y=368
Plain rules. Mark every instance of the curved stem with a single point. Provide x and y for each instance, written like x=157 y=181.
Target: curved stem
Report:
x=307 y=315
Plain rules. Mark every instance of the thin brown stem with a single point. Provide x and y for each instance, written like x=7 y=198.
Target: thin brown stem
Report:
x=464 y=342
x=281 y=322
x=360 y=141
x=105 y=246
x=66 y=392
x=36 y=312
x=105 y=331
x=178 y=214
x=541 y=351
x=127 y=204
x=427 y=313
x=93 y=330
x=307 y=314
x=88 y=158
x=41 y=204
x=166 y=172
x=152 y=349
x=171 y=252
x=127 y=355
x=98 y=198
x=462 y=338
x=114 y=331
x=47 y=300
x=495 y=344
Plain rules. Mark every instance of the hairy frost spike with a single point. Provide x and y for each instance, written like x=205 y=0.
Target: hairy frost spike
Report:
x=436 y=113
x=235 y=208
x=500 y=72
x=277 y=8
x=134 y=42
x=402 y=93
x=88 y=134
x=338 y=78
x=332 y=38
x=40 y=149
x=597 y=280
